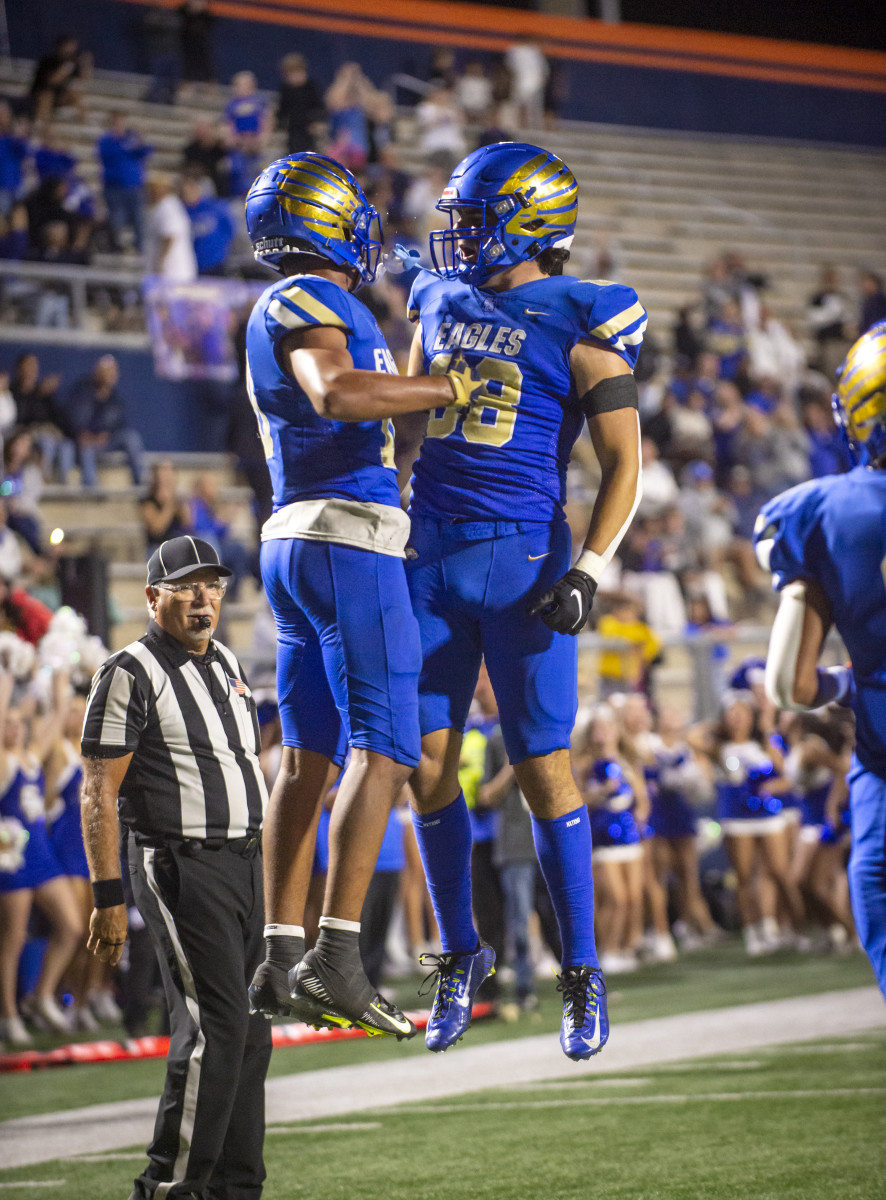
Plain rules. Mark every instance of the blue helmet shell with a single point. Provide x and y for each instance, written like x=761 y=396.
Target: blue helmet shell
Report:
x=310 y=203
x=520 y=199
x=859 y=402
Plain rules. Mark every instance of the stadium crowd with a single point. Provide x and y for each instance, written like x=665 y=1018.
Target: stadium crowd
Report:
x=733 y=411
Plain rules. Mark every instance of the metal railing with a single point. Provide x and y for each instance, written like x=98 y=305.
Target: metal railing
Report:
x=24 y=285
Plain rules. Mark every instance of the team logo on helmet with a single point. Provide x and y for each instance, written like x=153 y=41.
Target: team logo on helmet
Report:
x=860 y=400
x=310 y=203
x=506 y=203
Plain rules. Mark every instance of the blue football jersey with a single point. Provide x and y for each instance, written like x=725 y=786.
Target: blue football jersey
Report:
x=507 y=459
x=309 y=456
x=833 y=531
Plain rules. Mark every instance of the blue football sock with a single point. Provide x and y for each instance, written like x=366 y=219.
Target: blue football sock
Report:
x=563 y=846
x=444 y=842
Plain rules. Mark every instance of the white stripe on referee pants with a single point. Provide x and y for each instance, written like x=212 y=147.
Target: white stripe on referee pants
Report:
x=192 y=1081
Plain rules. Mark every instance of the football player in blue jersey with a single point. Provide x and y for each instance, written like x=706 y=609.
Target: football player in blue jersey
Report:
x=825 y=543
x=323 y=383
x=489 y=559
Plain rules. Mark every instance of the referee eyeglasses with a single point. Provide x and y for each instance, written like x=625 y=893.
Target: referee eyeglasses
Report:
x=215 y=589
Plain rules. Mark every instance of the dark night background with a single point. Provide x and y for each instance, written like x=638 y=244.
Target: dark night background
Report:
x=827 y=21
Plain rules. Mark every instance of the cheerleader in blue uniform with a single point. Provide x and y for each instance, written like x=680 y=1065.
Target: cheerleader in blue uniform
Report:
x=39 y=879
x=635 y=719
x=618 y=806
x=750 y=816
x=678 y=780
x=87 y=979
x=817 y=760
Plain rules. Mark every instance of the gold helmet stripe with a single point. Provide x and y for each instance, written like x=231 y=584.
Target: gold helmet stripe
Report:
x=861 y=389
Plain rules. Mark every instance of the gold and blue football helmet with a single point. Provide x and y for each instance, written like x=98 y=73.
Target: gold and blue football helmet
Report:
x=860 y=400
x=308 y=203
x=518 y=200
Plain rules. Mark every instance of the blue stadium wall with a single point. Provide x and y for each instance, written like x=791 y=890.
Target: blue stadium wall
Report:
x=169 y=415
x=597 y=91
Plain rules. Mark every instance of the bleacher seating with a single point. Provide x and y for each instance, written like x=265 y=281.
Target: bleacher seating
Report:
x=672 y=201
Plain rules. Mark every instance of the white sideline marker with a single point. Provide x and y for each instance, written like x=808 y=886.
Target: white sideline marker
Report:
x=35 y=1183
x=331 y=1127
x=496 y=1106
x=94 y=1158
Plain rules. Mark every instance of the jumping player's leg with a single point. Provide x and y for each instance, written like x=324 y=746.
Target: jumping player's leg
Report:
x=314 y=747
x=359 y=606
x=446 y=583
x=534 y=674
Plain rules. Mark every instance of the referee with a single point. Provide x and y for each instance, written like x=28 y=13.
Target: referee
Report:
x=170 y=743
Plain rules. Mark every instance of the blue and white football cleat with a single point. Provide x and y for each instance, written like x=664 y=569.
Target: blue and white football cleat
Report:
x=458 y=976
x=585 y=1026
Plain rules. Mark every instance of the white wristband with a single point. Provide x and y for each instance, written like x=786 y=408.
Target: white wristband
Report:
x=591 y=563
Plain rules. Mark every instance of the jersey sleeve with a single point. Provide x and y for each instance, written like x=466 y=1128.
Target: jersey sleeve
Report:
x=423 y=281
x=786 y=535
x=116 y=712
x=306 y=302
x=612 y=315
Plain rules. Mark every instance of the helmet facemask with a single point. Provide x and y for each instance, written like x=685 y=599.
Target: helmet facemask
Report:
x=482 y=235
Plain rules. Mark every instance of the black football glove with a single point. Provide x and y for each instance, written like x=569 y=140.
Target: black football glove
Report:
x=566 y=606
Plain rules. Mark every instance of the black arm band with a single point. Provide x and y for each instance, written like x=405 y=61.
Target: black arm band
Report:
x=108 y=893
x=618 y=391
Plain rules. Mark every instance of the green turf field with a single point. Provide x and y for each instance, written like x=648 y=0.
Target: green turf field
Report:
x=712 y=979
x=807 y=1122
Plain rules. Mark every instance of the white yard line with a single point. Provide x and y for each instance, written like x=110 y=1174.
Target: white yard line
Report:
x=431 y=1110
x=336 y=1091
x=329 y=1127
x=35 y=1183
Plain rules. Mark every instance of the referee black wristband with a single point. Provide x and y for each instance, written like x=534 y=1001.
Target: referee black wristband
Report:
x=108 y=893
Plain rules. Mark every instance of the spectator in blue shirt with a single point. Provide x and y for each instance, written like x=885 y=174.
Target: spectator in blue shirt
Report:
x=97 y=418
x=211 y=521
x=123 y=154
x=726 y=337
x=14 y=239
x=247 y=161
x=827 y=445
x=212 y=226
x=14 y=150
x=53 y=158
x=247 y=110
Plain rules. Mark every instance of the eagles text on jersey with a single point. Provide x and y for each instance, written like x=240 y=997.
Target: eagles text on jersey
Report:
x=520 y=341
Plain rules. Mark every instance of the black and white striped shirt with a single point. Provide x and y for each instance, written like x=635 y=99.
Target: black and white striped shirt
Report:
x=190 y=724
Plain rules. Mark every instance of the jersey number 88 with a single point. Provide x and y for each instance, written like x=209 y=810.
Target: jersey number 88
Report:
x=499 y=395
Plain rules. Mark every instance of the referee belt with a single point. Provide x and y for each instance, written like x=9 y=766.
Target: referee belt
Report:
x=246 y=847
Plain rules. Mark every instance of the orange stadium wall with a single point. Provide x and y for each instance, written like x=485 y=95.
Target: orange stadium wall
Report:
x=619 y=74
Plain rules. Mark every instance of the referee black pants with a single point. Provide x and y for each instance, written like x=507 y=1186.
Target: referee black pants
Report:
x=205 y=912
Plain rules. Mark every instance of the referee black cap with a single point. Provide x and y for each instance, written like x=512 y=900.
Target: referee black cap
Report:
x=180 y=556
